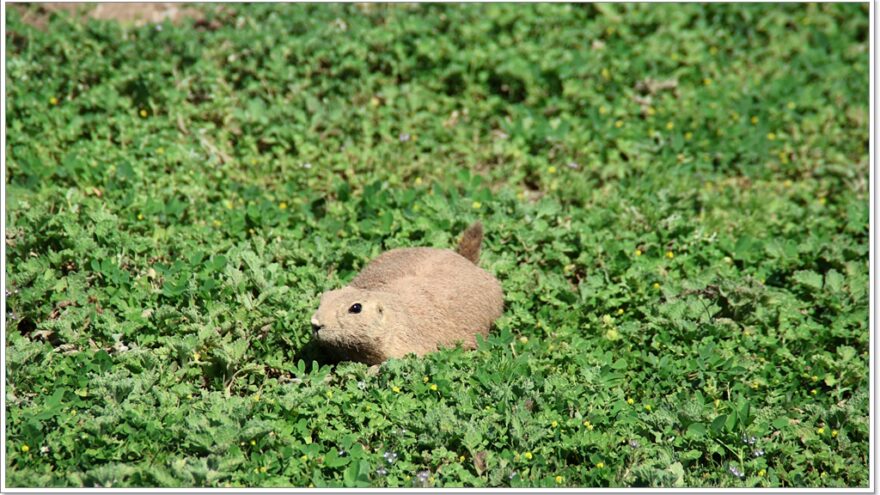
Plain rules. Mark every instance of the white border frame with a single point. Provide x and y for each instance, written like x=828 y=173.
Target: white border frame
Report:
x=872 y=452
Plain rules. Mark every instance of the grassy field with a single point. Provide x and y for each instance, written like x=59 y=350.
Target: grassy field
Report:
x=675 y=200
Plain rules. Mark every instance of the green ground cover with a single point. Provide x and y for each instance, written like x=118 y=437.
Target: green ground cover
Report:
x=675 y=200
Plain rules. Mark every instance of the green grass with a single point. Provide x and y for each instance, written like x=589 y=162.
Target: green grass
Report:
x=684 y=270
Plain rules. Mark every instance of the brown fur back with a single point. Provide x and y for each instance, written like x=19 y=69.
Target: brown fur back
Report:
x=469 y=247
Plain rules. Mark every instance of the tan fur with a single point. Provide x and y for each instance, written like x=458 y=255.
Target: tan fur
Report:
x=414 y=300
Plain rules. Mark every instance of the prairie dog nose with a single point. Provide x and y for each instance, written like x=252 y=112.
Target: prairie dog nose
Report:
x=316 y=326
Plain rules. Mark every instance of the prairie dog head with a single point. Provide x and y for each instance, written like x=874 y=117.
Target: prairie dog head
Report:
x=350 y=322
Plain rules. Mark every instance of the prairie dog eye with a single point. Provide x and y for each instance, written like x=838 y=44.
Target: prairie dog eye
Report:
x=355 y=308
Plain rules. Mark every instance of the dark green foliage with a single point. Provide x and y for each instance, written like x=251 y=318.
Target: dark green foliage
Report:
x=675 y=199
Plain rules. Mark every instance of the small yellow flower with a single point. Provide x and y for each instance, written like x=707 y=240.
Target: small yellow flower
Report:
x=612 y=334
x=630 y=401
x=528 y=455
x=670 y=254
x=717 y=403
x=73 y=412
x=713 y=50
x=476 y=205
x=603 y=110
x=648 y=407
x=251 y=231
x=461 y=458
x=834 y=433
x=304 y=457
x=688 y=136
x=418 y=181
x=620 y=311
x=822 y=200
x=783 y=157
x=523 y=340
x=160 y=151
x=425 y=379
x=395 y=389
x=143 y=113
x=253 y=442
x=374 y=101
x=329 y=394
x=656 y=285
x=755 y=385
x=814 y=378
x=263 y=469
x=638 y=252
x=282 y=205
x=196 y=355
x=140 y=216
x=820 y=430
x=559 y=480
x=257 y=398
x=651 y=111
x=256 y=470
x=618 y=124
x=600 y=464
x=53 y=100
x=228 y=204
x=762 y=472
x=25 y=448
x=670 y=125
x=814 y=392
x=755 y=120
x=551 y=170
x=434 y=387
x=553 y=424
x=588 y=425
x=791 y=105
x=605 y=74
x=707 y=81
x=771 y=136
x=217 y=223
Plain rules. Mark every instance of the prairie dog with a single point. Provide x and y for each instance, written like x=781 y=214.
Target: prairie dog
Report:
x=410 y=300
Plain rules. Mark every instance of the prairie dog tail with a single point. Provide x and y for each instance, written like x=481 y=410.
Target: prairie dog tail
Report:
x=469 y=247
